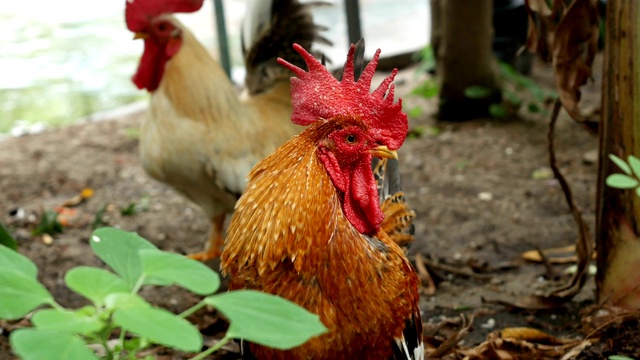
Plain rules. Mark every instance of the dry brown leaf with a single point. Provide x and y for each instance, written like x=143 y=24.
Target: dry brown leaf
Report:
x=500 y=347
x=539 y=6
x=576 y=350
x=449 y=344
x=560 y=255
x=575 y=44
x=533 y=335
x=85 y=194
x=543 y=21
x=567 y=35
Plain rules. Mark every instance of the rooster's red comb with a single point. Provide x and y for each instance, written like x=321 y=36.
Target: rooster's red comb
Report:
x=139 y=12
x=316 y=94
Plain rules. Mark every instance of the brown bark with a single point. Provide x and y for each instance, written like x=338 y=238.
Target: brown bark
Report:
x=462 y=42
x=618 y=211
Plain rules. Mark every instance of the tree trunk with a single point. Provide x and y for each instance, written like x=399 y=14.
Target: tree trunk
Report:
x=618 y=211
x=462 y=42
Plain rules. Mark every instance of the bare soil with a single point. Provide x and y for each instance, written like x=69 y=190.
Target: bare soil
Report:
x=481 y=190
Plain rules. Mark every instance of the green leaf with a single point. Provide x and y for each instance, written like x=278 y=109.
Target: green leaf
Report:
x=497 y=111
x=537 y=92
x=638 y=191
x=512 y=97
x=266 y=319
x=508 y=71
x=634 y=162
x=20 y=293
x=533 y=108
x=415 y=112
x=621 y=181
x=619 y=357
x=66 y=321
x=134 y=208
x=119 y=250
x=428 y=89
x=477 y=92
x=426 y=58
x=180 y=270
x=6 y=239
x=13 y=260
x=38 y=344
x=160 y=326
x=49 y=224
x=621 y=164
x=125 y=301
x=94 y=283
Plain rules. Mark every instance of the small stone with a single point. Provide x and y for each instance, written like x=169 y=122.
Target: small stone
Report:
x=590 y=157
x=47 y=239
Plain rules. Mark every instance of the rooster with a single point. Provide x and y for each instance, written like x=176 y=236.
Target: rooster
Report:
x=309 y=225
x=199 y=136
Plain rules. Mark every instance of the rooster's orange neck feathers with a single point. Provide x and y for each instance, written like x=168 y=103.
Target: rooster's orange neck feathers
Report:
x=360 y=121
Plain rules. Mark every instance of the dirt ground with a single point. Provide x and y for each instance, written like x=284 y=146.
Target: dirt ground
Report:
x=481 y=190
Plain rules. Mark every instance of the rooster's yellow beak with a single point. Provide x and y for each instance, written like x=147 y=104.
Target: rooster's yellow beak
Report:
x=384 y=152
x=140 y=35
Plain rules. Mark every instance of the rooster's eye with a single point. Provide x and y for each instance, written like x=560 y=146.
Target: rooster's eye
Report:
x=351 y=138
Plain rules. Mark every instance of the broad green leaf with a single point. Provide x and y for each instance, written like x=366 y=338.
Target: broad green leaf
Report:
x=66 y=321
x=38 y=344
x=20 y=293
x=477 y=92
x=159 y=326
x=621 y=164
x=180 y=270
x=266 y=319
x=94 y=283
x=634 y=162
x=119 y=250
x=6 y=239
x=621 y=181
x=13 y=260
x=497 y=111
x=125 y=301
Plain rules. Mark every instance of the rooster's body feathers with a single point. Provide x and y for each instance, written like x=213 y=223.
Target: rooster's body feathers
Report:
x=307 y=227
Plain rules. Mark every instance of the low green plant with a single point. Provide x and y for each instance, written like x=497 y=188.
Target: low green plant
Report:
x=118 y=315
x=134 y=208
x=515 y=86
x=49 y=224
x=6 y=239
x=619 y=357
x=631 y=176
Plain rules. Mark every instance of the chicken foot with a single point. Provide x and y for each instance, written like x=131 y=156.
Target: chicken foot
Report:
x=213 y=247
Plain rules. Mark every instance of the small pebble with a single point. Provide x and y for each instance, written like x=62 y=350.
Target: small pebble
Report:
x=47 y=239
x=490 y=324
